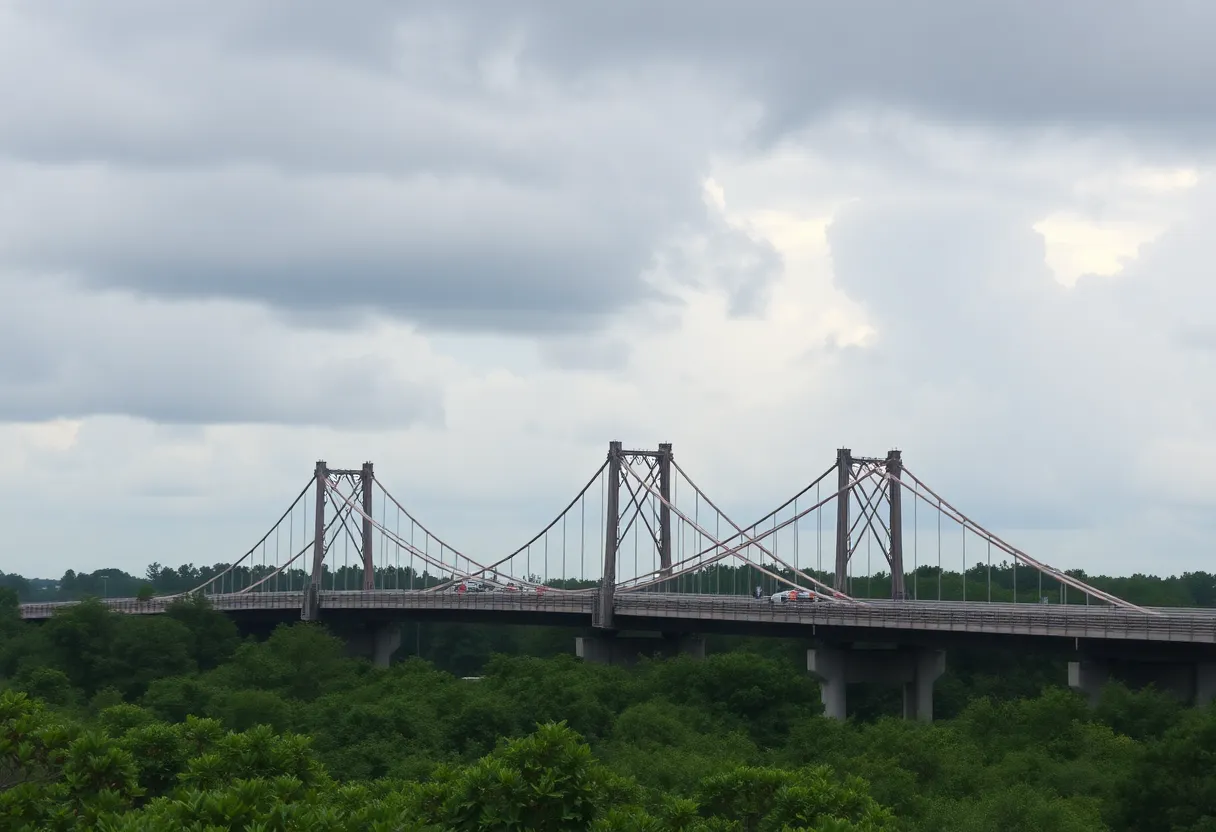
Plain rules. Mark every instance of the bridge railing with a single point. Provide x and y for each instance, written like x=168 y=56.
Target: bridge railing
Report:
x=1047 y=620
x=387 y=599
x=1051 y=620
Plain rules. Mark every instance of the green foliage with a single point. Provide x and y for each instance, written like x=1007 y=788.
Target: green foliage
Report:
x=114 y=722
x=547 y=782
x=213 y=637
x=49 y=684
x=10 y=612
x=54 y=775
x=194 y=776
x=1172 y=788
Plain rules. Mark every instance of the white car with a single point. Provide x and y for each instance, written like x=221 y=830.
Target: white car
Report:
x=487 y=586
x=798 y=596
x=539 y=589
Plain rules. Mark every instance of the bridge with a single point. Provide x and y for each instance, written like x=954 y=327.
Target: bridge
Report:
x=654 y=570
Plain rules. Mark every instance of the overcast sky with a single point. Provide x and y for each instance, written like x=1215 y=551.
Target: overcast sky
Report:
x=474 y=242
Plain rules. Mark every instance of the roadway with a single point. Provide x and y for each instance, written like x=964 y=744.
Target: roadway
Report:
x=933 y=623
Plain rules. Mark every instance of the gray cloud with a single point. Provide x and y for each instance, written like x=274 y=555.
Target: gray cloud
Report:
x=422 y=249
x=984 y=363
x=72 y=354
x=449 y=186
x=1088 y=64
x=728 y=259
x=504 y=167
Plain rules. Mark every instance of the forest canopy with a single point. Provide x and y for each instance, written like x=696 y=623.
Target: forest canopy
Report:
x=177 y=722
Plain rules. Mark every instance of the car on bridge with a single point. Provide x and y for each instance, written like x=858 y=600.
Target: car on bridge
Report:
x=511 y=587
x=800 y=596
x=470 y=587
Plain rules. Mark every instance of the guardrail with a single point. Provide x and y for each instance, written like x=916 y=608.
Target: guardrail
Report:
x=1068 y=621
x=1052 y=620
x=388 y=599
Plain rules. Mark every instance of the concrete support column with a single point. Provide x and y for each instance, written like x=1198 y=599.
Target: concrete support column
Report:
x=385 y=640
x=1205 y=684
x=1088 y=677
x=828 y=666
x=377 y=641
x=1193 y=682
x=918 y=693
x=916 y=669
x=626 y=650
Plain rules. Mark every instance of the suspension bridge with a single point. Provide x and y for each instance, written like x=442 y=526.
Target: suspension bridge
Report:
x=641 y=547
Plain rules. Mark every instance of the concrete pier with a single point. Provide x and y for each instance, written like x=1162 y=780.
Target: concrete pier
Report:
x=915 y=669
x=377 y=641
x=1191 y=682
x=626 y=650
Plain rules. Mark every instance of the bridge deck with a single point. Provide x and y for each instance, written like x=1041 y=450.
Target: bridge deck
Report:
x=1178 y=625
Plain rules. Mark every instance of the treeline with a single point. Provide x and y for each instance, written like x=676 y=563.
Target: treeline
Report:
x=1000 y=582
x=129 y=723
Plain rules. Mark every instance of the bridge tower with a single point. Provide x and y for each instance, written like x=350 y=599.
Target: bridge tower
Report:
x=870 y=498
x=361 y=481
x=657 y=475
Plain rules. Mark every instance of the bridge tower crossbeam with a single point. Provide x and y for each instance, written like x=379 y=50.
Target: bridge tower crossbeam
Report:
x=887 y=532
x=658 y=474
x=362 y=481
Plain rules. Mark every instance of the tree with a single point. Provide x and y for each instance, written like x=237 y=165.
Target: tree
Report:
x=763 y=799
x=17 y=584
x=548 y=782
x=53 y=775
x=1172 y=788
x=81 y=639
x=10 y=612
x=47 y=684
x=214 y=636
x=146 y=648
